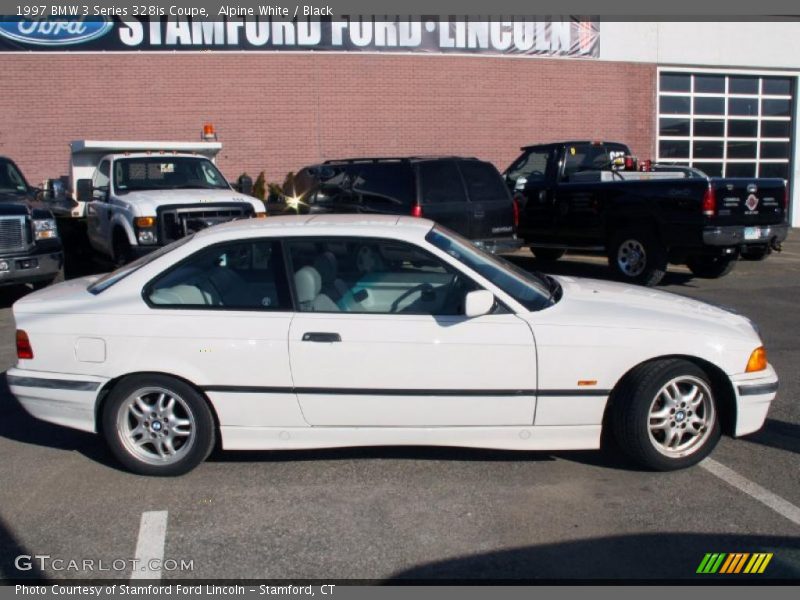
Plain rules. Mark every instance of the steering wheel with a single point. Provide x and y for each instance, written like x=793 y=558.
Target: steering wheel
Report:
x=422 y=287
x=455 y=293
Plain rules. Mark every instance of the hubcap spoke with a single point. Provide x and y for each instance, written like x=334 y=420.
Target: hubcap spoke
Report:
x=681 y=416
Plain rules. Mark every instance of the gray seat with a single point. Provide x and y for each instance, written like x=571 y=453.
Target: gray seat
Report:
x=308 y=286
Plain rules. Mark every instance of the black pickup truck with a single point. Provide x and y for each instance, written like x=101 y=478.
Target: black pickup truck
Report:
x=589 y=195
x=30 y=247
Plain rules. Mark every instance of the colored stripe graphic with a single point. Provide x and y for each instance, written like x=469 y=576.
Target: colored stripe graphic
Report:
x=734 y=563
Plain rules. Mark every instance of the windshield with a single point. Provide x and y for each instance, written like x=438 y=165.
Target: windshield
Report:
x=533 y=291
x=11 y=180
x=166 y=173
x=109 y=279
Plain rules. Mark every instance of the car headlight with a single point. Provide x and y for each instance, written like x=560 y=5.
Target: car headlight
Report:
x=44 y=229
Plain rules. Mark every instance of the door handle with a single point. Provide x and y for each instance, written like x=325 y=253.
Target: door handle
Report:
x=313 y=336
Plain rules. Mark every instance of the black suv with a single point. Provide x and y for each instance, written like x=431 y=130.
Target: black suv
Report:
x=465 y=194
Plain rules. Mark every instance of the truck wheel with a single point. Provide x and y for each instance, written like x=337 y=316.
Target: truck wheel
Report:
x=637 y=257
x=157 y=425
x=121 y=248
x=756 y=253
x=664 y=415
x=711 y=267
x=548 y=253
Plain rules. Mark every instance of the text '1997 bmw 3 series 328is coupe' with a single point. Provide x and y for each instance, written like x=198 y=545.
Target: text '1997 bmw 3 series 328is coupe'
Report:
x=337 y=330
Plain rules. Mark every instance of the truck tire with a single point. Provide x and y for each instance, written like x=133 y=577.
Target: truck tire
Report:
x=664 y=415
x=548 y=253
x=711 y=267
x=121 y=248
x=636 y=256
x=756 y=253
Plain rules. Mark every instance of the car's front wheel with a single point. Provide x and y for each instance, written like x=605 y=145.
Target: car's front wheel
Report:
x=158 y=425
x=664 y=415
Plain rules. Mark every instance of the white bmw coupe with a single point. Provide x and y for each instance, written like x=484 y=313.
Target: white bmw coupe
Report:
x=337 y=330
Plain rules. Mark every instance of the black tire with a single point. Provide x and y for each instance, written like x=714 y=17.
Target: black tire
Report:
x=147 y=452
x=121 y=248
x=755 y=254
x=636 y=256
x=633 y=419
x=548 y=253
x=711 y=267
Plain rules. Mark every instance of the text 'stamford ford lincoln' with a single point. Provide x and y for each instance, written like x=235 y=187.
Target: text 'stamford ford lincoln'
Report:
x=336 y=330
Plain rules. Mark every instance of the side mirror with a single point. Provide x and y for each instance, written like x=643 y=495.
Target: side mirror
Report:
x=85 y=190
x=478 y=303
x=245 y=185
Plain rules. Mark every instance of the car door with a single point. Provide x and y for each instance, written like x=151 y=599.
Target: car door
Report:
x=442 y=197
x=220 y=318
x=530 y=176
x=380 y=339
x=98 y=213
x=492 y=214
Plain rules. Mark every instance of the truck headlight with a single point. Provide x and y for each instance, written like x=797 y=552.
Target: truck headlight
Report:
x=145 y=230
x=44 y=229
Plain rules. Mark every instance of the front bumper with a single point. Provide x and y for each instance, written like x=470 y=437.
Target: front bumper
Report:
x=498 y=245
x=754 y=393
x=30 y=267
x=734 y=235
x=59 y=398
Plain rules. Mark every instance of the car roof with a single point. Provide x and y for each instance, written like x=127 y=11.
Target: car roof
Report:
x=573 y=143
x=391 y=159
x=319 y=225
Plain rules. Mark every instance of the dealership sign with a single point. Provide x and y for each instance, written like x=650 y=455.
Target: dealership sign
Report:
x=568 y=37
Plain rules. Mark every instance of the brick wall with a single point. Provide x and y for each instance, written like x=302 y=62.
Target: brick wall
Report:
x=278 y=112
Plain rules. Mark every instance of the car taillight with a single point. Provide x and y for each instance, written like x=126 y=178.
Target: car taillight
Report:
x=709 y=202
x=24 y=348
x=515 y=209
x=416 y=210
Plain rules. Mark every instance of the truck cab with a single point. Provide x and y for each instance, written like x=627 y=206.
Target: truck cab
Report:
x=148 y=194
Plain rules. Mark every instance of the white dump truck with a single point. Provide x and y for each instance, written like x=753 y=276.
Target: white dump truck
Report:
x=136 y=196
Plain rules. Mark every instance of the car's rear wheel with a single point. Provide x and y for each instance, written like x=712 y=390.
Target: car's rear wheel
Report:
x=548 y=253
x=711 y=267
x=755 y=253
x=636 y=256
x=664 y=415
x=158 y=425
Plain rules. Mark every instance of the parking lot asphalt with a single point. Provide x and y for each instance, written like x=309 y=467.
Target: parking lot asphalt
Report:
x=388 y=513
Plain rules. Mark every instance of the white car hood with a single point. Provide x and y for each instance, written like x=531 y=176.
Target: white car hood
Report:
x=590 y=302
x=145 y=203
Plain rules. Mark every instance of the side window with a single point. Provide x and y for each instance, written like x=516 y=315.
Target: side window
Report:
x=374 y=276
x=532 y=166
x=384 y=186
x=589 y=157
x=484 y=183
x=240 y=275
x=101 y=175
x=441 y=182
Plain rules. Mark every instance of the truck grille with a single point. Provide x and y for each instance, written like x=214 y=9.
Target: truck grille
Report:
x=177 y=222
x=12 y=234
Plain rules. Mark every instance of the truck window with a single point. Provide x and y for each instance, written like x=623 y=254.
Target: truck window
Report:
x=384 y=184
x=532 y=166
x=166 y=173
x=483 y=181
x=100 y=179
x=11 y=179
x=590 y=157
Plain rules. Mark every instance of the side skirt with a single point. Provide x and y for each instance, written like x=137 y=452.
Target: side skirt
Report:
x=553 y=437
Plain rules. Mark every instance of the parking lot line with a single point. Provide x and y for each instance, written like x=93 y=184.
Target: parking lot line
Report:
x=150 y=545
x=779 y=505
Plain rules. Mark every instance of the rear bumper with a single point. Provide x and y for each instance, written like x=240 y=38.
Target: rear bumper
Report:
x=754 y=393
x=498 y=245
x=734 y=235
x=31 y=267
x=59 y=398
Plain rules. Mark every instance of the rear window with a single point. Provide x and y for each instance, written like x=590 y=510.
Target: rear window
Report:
x=483 y=181
x=441 y=182
x=590 y=157
x=109 y=279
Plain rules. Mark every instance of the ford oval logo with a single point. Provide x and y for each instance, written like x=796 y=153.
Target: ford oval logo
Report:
x=54 y=32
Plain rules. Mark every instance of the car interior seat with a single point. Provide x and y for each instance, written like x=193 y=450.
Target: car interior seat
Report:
x=308 y=285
